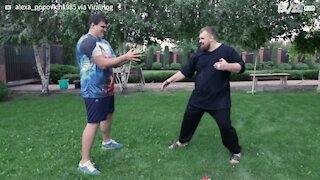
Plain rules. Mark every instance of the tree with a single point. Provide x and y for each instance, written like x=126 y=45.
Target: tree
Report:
x=138 y=20
x=129 y=21
x=31 y=28
x=73 y=24
x=251 y=23
x=308 y=43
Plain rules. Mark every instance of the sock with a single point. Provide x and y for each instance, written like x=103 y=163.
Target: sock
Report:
x=106 y=142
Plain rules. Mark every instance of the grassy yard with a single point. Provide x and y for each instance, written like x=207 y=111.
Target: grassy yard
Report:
x=279 y=133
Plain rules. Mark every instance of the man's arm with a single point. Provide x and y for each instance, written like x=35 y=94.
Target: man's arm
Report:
x=88 y=47
x=234 y=62
x=176 y=77
x=223 y=65
x=102 y=63
x=234 y=67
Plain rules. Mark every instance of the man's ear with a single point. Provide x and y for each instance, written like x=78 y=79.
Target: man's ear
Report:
x=91 y=25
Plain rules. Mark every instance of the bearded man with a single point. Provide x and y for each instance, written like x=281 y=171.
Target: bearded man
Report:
x=212 y=64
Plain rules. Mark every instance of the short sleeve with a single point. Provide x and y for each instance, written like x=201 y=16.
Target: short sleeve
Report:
x=87 y=46
x=189 y=69
x=235 y=58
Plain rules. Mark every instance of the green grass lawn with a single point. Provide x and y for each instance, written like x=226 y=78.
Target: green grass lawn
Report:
x=279 y=132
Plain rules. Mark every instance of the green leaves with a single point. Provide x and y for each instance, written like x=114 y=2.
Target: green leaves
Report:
x=247 y=23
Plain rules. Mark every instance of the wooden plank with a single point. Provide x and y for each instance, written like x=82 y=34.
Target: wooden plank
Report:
x=269 y=75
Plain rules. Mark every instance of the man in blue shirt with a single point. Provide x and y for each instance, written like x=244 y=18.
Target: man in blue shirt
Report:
x=96 y=59
x=212 y=64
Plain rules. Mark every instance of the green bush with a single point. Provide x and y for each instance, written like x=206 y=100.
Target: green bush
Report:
x=71 y=77
x=284 y=66
x=175 y=66
x=166 y=57
x=313 y=66
x=137 y=65
x=310 y=63
x=184 y=57
x=249 y=66
x=156 y=65
x=265 y=65
x=151 y=76
x=301 y=66
x=59 y=70
x=3 y=91
x=150 y=57
x=311 y=74
x=296 y=74
x=160 y=76
x=240 y=77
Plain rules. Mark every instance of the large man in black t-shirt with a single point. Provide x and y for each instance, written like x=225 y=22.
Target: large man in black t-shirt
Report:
x=212 y=63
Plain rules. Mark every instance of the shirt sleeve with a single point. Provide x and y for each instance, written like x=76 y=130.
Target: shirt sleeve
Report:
x=87 y=46
x=235 y=58
x=189 y=69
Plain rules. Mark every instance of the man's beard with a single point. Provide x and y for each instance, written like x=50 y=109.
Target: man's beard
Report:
x=205 y=47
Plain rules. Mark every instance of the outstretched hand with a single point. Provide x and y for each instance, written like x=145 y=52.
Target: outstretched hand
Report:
x=132 y=56
x=165 y=84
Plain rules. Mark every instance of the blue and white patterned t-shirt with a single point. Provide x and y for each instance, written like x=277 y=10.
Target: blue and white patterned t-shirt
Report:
x=95 y=82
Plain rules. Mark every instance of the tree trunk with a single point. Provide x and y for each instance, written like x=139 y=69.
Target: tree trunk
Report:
x=318 y=89
x=47 y=66
x=44 y=74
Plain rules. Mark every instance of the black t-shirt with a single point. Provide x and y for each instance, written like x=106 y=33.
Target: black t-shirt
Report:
x=212 y=87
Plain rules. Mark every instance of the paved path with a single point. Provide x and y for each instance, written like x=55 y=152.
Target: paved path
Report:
x=240 y=85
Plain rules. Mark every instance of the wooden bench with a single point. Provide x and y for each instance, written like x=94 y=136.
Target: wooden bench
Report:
x=282 y=76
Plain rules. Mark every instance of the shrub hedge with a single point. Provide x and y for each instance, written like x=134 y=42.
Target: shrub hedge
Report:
x=156 y=65
x=59 y=70
x=175 y=66
x=72 y=73
x=301 y=66
x=249 y=66
x=3 y=91
x=284 y=66
x=71 y=77
x=162 y=75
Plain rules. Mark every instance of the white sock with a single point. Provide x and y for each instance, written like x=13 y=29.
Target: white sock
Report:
x=107 y=142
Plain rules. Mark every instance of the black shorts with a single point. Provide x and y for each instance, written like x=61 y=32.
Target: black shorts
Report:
x=99 y=108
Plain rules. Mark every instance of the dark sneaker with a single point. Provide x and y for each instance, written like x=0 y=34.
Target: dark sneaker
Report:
x=235 y=159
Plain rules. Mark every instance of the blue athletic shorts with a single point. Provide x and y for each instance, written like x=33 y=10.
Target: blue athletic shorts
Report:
x=99 y=108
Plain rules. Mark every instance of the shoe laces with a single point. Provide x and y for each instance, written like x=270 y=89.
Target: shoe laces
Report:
x=90 y=165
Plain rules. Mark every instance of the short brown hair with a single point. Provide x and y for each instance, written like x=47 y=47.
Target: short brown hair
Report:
x=96 y=19
x=209 y=30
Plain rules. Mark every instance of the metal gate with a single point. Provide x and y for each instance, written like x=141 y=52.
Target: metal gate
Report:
x=20 y=64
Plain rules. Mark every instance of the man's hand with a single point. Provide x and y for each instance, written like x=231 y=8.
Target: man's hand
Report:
x=174 y=78
x=132 y=56
x=165 y=84
x=221 y=65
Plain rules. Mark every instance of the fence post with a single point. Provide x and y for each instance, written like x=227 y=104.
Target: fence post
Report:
x=175 y=56
x=158 y=56
x=166 y=57
x=279 y=59
x=3 y=76
x=244 y=56
x=261 y=53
